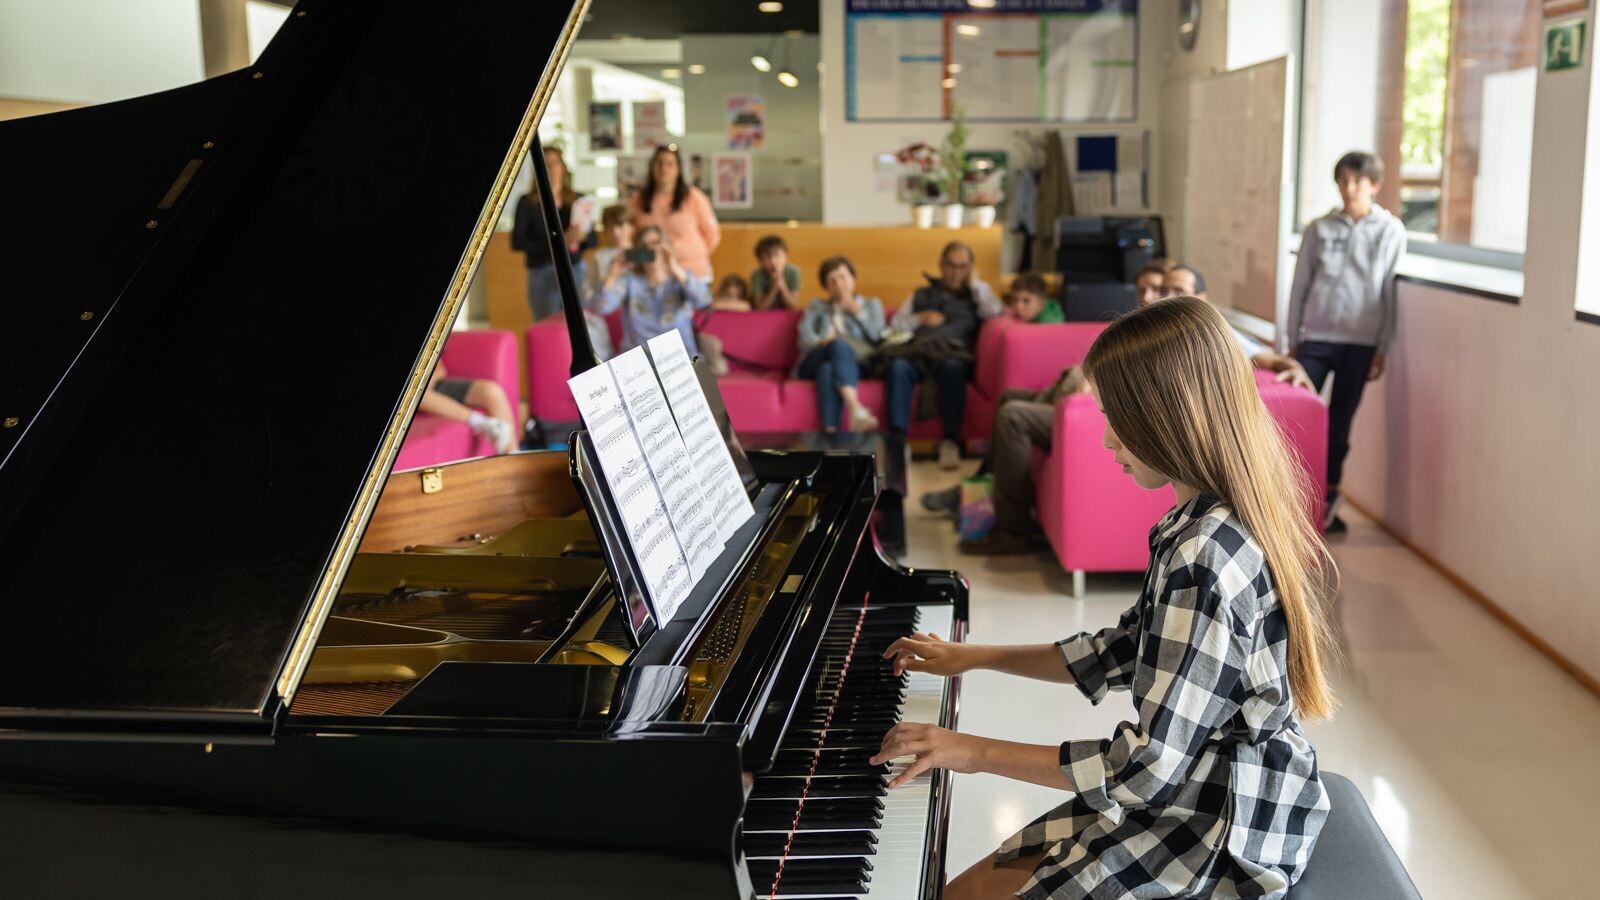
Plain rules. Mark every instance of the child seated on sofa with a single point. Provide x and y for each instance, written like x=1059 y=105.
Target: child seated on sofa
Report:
x=732 y=294
x=1030 y=301
x=454 y=399
x=775 y=284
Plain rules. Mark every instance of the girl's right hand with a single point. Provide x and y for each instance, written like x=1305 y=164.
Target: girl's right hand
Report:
x=930 y=653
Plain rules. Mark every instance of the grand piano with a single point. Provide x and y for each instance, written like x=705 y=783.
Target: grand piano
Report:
x=240 y=657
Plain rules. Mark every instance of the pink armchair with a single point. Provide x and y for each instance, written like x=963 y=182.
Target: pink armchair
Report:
x=467 y=354
x=1098 y=520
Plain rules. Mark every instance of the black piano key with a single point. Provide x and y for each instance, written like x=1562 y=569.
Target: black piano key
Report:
x=812 y=843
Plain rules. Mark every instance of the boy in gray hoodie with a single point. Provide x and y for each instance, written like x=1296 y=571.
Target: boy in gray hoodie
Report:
x=1342 y=303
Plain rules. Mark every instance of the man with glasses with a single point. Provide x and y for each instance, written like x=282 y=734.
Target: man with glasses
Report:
x=943 y=319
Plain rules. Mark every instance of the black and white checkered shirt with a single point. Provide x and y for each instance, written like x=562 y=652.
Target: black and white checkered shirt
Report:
x=1213 y=790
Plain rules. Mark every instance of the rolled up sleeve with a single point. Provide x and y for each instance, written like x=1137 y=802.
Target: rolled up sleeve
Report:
x=1102 y=661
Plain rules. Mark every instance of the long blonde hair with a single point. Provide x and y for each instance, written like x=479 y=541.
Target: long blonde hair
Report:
x=1181 y=397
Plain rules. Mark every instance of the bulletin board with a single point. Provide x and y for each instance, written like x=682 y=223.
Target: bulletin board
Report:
x=1237 y=201
x=1018 y=60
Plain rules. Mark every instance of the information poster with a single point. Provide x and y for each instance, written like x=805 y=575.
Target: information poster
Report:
x=1017 y=60
x=605 y=126
x=747 y=122
x=731 y=181
x=650 y=124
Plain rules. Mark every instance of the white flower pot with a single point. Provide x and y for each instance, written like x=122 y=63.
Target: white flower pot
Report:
x=983 y=216
x=953 y=214
x=922 y=215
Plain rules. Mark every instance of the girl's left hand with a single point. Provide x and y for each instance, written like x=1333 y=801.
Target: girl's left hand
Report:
x=934 y=748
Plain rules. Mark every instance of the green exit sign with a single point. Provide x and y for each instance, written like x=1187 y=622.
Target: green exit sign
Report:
x=1563 y=45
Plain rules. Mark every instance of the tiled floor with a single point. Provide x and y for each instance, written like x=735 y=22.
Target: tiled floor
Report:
x=1476 y=754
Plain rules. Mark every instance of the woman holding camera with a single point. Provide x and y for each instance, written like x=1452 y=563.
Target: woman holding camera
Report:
x=654 y=291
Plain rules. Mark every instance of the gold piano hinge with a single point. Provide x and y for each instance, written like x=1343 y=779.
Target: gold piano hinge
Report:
x=344 y=550
x=432 y=480
x=179 y=184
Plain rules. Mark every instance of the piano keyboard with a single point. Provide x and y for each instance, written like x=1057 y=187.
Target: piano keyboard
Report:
x=822 y=823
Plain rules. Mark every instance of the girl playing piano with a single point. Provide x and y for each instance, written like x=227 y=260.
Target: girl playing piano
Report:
x=1212 y=791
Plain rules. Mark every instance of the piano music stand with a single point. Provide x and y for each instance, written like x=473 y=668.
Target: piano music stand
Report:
x=626 y=573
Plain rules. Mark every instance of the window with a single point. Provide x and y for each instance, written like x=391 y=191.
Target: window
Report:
x=1443 y=91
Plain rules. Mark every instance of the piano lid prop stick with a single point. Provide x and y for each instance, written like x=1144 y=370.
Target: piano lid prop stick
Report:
x=583 y=356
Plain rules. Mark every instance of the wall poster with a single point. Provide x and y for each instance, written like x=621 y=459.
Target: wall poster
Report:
x=1017 y=60
x=731 y=182
x=650 y=124
x=605 y=126
x=747 y=122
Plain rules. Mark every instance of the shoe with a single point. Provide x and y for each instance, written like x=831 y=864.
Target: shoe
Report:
x=949 y=454
x=1330 y=510
x=1000 y=543
x=500 y=433
x=946 y=501
x=862 y=419
x=1337 y=526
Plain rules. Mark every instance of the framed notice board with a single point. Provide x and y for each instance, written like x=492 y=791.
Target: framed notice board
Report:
x=1015 y=61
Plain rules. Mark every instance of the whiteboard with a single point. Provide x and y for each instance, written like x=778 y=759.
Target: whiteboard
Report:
x=1236 y=193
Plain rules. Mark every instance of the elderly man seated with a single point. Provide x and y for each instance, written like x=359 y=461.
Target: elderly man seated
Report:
x=943 y=318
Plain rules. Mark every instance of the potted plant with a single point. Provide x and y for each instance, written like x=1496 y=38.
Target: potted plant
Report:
x=984 y=186
x=953 y=167
x=920 y=185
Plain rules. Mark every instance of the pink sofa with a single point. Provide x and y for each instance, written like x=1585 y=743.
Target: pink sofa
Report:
x=1098 y=520
x=467 y=354
x=762 y=349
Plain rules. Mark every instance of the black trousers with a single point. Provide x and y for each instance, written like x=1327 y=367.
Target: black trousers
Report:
x=1348 y=364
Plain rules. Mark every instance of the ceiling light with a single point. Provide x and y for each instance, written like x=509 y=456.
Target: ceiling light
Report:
x=671 y=73
x=948 y=84
x=605 y=162
x=788 y=79
x=770 y=6
x=761 y=63
x=981 y=4
x=697 y=69
x=953 y=68
x=968 y=30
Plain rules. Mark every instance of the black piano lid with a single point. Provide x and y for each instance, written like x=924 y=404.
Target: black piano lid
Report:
x=210 y=383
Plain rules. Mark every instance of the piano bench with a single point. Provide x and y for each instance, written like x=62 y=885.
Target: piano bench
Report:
x=1352 y=858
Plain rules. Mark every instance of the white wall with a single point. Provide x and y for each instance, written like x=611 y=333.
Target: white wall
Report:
x=851 y=190
x=96 y=51
x=1479 y=445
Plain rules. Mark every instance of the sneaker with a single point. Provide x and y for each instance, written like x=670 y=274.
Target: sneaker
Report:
x=1337 y=526
x=1330 y=510
x=1000 y=543
x=946 y=501
x=500 y=433
x=949 y=454
x=862 y=419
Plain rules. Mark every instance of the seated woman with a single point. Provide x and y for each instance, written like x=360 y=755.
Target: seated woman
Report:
x=454 y=399
x=836 y=333
x=653 y=290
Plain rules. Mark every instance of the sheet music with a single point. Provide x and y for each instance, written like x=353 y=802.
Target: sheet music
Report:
x=639 y=501
x=688 y=507
x=730 y=506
